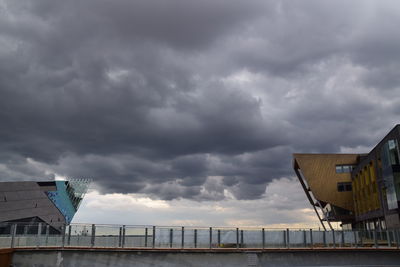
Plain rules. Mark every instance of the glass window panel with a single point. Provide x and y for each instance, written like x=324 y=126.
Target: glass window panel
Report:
x=393 y=152
x=339 y=169
x=346 y=168
x=385 y=155
x=340 y=187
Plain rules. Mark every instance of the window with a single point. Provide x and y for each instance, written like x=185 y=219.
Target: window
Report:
x=344 y=187
x=344 y=168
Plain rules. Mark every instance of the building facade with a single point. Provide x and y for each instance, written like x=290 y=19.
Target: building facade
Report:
x=361 y=191
x=51 y=202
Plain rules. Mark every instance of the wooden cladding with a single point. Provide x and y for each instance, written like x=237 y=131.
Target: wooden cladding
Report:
x=319 y=171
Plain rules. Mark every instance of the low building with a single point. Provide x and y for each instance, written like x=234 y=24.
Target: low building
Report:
x=361 y=191
x=52 y=203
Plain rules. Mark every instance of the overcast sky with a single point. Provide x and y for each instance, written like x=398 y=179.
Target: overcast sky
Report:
x=186 y=111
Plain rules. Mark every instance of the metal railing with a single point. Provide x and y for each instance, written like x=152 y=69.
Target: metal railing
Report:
x=14 y=235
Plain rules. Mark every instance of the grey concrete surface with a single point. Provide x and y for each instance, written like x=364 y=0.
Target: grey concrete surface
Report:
x=85 y=258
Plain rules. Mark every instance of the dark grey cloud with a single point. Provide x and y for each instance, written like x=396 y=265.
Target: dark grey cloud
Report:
x=191 y=99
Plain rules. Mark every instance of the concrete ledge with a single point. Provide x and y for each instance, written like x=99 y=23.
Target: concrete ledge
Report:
x=68 y=257
x=204 y=250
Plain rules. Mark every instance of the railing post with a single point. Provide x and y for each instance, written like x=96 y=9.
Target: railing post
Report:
x=375 y=238
x=311 y=239
x=154 y=237
x=13 y=233
x=355 y=238
x=146 y=234
x=219 y=238
x=171 y=237
x=120 y=237
x=93 y=237
x=39 y=232
x=241 y=239
x=305 y=238
x=47 y=234
x=183 y=237
x=263 y=238
x=237 y=237
x=123 y=236
x=69 y=235
x=287 y=238
x=396 y=233
x=389 y=239
x=210 y=237
x=195 y=238
x=63 y=231
x=122 y=233
x=333 y=238
x=361 y=238
x=324 y=238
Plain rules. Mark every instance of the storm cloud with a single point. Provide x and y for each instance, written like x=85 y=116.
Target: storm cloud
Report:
x=186 y=99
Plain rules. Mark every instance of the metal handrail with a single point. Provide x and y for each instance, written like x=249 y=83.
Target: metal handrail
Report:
x=149 y=236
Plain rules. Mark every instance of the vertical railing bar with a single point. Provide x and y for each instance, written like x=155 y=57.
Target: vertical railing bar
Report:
x=219 y=238
x=154 y=237
x=183 y=237
x=47 y=234
x=171 y=237
x=237 y=237
x=93 y=239
x=241 y=239
x=288 y=238
x=195 y=238
x=304 y=238
x=375 y=238
x=263 y=238
x=311 y=239
x=210 y=237
x=146 y=236
x=333 y=238
x=123 y=235
x=324 y=237
x=63 y=232
x=120 y=237
x=355 y=232
x=13 y=233
x=39 y=232
x=397 y=238
x=69 y=235
x=361 y=238
x=388 y=238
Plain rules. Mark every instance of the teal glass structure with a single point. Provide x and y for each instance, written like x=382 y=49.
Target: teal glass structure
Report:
x=68 y=196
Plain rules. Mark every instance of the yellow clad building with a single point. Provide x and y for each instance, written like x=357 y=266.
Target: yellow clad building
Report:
x=362 y=191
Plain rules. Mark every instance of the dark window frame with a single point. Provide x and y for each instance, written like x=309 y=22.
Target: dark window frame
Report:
x=344 y=187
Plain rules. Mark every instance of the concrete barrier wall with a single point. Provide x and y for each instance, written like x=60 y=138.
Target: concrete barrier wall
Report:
x=84 y=258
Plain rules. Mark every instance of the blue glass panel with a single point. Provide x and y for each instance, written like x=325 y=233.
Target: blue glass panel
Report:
x=62 y=201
